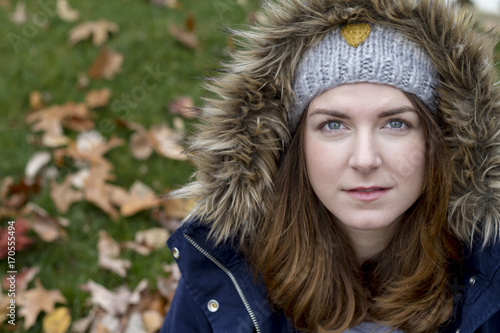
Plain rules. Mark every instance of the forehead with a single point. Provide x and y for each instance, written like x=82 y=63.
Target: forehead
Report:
x=360 y=97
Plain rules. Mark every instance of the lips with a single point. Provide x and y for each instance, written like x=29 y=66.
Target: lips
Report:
x=371 y=193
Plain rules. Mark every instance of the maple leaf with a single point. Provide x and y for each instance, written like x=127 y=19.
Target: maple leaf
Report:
x=95 y=188
x=99 y=31
x=106 y=65
x=65 y=12
x=141 y=197
x=38 y=299
x=63 y=195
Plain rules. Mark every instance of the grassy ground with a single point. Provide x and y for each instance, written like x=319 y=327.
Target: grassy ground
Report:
x=38 y=57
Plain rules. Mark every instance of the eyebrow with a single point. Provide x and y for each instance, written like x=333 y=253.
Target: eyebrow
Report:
x=343 y=115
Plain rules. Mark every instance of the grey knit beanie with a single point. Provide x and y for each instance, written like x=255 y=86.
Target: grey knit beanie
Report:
x=362 y=52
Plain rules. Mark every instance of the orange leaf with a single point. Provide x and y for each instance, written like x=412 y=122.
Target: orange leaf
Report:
x=141 y=197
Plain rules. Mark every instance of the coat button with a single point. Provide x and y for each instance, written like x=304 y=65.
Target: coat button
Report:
x=213 y=305
x=176 y=253
x=472 y=280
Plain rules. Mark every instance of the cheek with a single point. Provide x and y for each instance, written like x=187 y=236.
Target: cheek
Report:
x=409 y=163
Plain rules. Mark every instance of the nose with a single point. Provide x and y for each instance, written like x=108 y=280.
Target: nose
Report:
x=365 y=155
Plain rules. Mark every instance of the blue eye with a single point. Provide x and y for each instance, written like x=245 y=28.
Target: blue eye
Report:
x=396 y=124
x=333 y=125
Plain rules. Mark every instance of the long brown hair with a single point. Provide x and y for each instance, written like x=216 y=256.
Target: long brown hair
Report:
x=309 y=265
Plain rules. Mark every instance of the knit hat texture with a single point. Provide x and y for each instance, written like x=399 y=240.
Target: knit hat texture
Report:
x=378 y=54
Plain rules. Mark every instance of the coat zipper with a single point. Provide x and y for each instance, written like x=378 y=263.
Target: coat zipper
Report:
x=233 y=279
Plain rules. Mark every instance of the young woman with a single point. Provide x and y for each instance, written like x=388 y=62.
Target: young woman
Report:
x=348 y=176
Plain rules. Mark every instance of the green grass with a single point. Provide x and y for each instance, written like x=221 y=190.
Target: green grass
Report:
x=38 y=57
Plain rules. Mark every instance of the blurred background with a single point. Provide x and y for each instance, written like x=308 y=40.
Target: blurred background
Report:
x=94 y=99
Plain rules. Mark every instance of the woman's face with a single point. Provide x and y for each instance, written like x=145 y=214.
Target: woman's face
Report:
x=365 y=154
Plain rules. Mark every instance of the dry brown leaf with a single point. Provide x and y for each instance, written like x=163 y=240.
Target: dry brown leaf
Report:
x=153 y=238
x=117 y=195
x=166 y=142
x=141 y=249
x=98 y=98
x=65 y=12
x=63 y=195
x=184 y=106
x=186 y=38
x=47 y=227
x=57 y=321
x=5 y=185
x=140 y=145
x=19 y=14
x=114 y=303
x=99 y=31
x=95 y=189
x=190 y=23
x=109 y=250
x=91 y=146
x=141 y=197
x=38 y=299
x=107 y=246
x=153 y=320
x=119 y=266
x=35 y=164
x=178 y=208
x=78 y=117
x=36 y=101
x=82 y=324
x=25 y=276
x=106 y=65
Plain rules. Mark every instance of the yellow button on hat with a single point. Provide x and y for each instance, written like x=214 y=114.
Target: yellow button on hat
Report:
x=356 y=33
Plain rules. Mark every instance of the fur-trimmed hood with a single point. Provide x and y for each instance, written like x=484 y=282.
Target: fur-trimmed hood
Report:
x=243 y=132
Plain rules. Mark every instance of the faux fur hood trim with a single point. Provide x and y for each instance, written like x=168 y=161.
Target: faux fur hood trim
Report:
x=238 y=145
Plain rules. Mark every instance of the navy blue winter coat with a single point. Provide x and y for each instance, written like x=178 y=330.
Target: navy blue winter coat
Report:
x=217 y=291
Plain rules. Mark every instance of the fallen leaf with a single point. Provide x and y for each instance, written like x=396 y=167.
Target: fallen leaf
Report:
x=82 y=324
x=154 y=238
x=65 y=12
x=91 y=146
x=140 y=145
x=47 y=227
x=119 y=266
x=107 y=246
x=141 y=197
x=178 y=208
x=113 y=303
x=36 y=100
x=5 y=185
x=63 y=195
x=35 y=164
x=22 y=241
x=57 y=321
x=98 y=98
x=99 y=31
x=134 y=323
x=19 y=14
x=184 y=106
x=152 y=320
x=106 y=65
x=190 y=23
x=78 y=117
x=23 y=278
x=19 y=193
x=95 y=189
x=38 y=299
x=166 y=142
x=109 y=250
x=117 y=195
x=186 y=38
